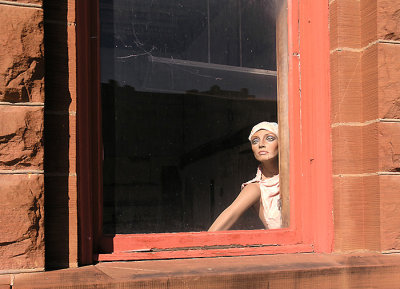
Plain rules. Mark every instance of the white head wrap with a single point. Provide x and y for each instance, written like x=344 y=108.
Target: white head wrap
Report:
x=270 y=126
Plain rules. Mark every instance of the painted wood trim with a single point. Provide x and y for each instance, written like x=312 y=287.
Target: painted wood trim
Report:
x=283 y=110
x=128 y=242
x=201 y=253
x=88 y=129
x=311 y=220
x=315 y=128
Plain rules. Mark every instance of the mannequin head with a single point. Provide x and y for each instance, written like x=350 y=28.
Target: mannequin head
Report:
x=264 y=144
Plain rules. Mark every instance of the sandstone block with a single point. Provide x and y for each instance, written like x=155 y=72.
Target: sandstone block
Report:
x=388 y=76
x=370 y=148
x=5 y=281
x=389 y=151
x=347 y=144
x=389 y=212
x=388 y=19
x=380 y=85
x=345 y=24
x=21 y=56
x=356 y=213
x=21 y=222
x=21 y=137
x=346 y=94
x=369 y=75
x=380 y=19
x=368 y=21
x=333 y=27
x=366 y=149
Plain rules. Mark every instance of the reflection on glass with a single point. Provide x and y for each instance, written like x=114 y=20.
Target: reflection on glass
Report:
x=183 y=82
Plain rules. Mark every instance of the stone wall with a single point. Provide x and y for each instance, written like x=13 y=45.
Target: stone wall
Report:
x=61 y=220
x=29 y=126
x=38 y=137
x=21 y=135
x=365 y=91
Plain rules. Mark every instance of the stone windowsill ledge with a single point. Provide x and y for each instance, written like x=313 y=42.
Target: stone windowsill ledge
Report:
x=271 y=271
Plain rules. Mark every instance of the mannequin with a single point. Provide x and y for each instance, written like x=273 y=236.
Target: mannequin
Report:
x=262 y=192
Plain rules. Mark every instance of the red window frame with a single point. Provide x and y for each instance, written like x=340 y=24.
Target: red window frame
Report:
x=311 y=220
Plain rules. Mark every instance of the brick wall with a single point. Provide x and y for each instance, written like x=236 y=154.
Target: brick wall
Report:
x=21 y=135
x=365 y=91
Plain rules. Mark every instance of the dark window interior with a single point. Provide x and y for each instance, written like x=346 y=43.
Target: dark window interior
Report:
x=182 y=83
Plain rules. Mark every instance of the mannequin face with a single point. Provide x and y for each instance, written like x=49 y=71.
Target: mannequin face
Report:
x=264 y=145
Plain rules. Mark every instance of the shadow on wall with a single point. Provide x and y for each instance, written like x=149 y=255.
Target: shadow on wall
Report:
x=56 y=134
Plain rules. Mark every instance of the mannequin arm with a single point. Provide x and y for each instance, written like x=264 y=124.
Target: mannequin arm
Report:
x=247 y=197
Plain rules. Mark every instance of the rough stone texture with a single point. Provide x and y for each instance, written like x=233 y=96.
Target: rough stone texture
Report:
x=366 y=149
x=356 y=211
x=380 y=19
x=390 y=208
x=380 y=75
x=389 y=149
x=388 y=19
x=366 y=207
x=21 y=56
x=21 y=137
x=346 y=93
x=345 y=24
x=21 y=222
x=388 y=77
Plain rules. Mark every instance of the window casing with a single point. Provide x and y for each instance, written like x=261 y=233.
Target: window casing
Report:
x=182 y=83
x=310 y=226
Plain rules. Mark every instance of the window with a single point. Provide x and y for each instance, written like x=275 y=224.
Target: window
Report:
x=166 y=75
x=182 y=84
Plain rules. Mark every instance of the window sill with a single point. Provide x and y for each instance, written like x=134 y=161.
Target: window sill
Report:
x=275 y=271
x=203 y=252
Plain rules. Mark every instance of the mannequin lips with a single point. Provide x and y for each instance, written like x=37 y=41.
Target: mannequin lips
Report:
x=261 y=153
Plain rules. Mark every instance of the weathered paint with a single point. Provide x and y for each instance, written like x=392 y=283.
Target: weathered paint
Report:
x=311 y=223
x=198 y=253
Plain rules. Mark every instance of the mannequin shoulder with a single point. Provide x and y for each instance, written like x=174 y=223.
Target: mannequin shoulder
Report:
x=252 y=187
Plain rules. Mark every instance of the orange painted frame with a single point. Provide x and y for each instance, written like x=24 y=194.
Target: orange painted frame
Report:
x=311 y=220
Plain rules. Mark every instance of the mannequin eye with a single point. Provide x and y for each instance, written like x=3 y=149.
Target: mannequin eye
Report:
x=270 y=138
x=255 y=140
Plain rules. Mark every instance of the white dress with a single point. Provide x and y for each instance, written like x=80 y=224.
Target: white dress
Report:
x=270 y=199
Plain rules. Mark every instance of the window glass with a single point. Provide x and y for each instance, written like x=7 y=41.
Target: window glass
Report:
x=182 y=84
